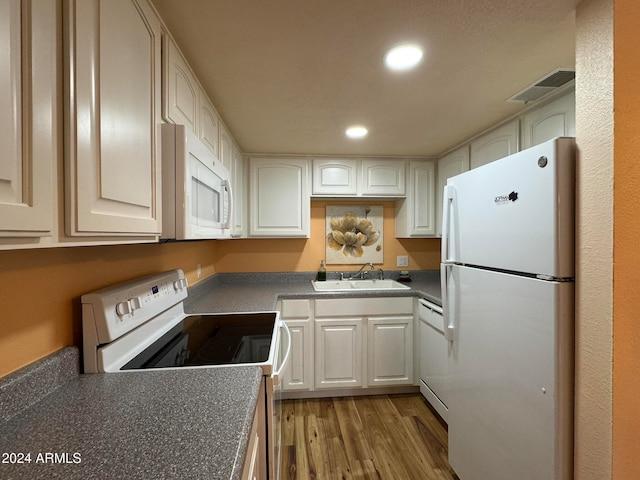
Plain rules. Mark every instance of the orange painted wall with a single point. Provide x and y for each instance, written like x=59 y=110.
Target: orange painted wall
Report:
x=33 y=327
x=626 y=273
x=41 y=289
x=304 y=254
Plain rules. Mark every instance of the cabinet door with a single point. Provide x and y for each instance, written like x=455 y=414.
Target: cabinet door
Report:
x=338 y=353
x=334 y=176
x=298 y=316
x=182 y=92
x=415 y=214
x=555 y=119
x=299 y=376
x=279 y=198
x=390 y=351
x=113 y=114
x=450 y=165
x=238 y=182
x=209 y=131
x=383 y=178
x=27 y=117
x=498 y=143
x=226 y=148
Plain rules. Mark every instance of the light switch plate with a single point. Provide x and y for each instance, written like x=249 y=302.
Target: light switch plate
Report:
x=402 y=261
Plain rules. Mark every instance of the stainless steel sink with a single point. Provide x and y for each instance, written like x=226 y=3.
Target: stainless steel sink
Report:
x=355 y=285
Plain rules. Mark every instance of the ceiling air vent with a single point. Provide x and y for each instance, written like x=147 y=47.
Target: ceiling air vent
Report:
x=544 y=86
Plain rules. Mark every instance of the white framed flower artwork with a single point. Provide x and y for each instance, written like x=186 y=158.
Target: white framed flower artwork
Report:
x=354 y=234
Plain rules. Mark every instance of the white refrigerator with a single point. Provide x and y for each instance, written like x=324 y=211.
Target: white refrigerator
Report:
x=508 y=300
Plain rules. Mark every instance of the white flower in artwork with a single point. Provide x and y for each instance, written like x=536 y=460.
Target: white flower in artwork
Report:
x=351 y=234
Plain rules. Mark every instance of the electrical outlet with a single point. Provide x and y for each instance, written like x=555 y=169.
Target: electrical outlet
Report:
x=402 y=261
x=199 y=270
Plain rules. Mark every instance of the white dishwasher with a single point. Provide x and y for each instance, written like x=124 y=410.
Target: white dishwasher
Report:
x=433 y=356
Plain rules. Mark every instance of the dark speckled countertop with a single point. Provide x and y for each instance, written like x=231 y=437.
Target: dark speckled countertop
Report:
x=188 y=423
x=248 y=292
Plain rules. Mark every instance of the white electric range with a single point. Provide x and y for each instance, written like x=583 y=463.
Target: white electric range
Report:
x=141 y=325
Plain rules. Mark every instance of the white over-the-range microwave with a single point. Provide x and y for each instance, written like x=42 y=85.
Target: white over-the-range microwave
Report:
x=197 y=201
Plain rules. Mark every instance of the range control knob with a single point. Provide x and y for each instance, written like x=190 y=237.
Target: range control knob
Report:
x=127 y=308
x=123 y=308
x=135 y=302
x=180 y=284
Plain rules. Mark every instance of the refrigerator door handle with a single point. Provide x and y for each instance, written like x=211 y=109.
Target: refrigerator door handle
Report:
x=447 y=306
x=448 y=201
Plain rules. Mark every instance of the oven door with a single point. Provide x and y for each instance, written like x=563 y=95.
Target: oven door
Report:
x=208 y=201
x=274 y=399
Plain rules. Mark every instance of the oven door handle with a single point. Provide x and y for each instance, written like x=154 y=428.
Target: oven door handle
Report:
x=285 y=360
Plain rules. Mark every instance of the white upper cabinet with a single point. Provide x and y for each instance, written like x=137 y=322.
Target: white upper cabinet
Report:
x=279 y=197
x=27 y=117
x=415 y=214
x=185 y=103
x=555 y=119
x=181 y=89
x=113 y=112
x=226 y=148
x=383 y=178
x=498 y=143
x=355 y=177
x=335 y=176
x=452 y=164
x=238 y=187
x=209 y=122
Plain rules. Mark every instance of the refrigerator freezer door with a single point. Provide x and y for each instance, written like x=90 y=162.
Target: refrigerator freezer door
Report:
x=516 y=213
x=510 y=377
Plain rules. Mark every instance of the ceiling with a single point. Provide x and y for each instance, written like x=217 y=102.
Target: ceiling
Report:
x=289 y=76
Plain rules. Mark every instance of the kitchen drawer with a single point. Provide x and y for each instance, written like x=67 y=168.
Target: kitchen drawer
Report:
x=295 y=309
x=364 y=306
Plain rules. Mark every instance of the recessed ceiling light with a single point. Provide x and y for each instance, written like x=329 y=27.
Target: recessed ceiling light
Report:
x=403 y=57
x=357 y=131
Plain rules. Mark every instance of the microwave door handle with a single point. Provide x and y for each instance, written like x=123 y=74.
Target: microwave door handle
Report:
x=227 y=186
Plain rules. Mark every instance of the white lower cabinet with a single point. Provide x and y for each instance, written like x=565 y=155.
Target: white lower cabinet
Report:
x=297 y=314
x=255 y=461
x=349 y=343
x=363 y=338
x=338 y=353
x=389 y=351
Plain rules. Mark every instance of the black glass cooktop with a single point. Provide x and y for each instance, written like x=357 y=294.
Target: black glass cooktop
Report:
x=210 y=340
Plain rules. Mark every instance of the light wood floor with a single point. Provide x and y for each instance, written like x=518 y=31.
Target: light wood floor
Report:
x=371 y=437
